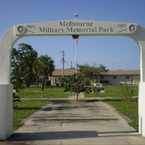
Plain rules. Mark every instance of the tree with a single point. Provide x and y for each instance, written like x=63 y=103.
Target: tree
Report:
x=43 y=66
x=75 y=84
x=103 y=68
x=16 y=78
x=91 y=71
x=48 y=65
x=22 y=62
x=82 y=80
x=27 y=67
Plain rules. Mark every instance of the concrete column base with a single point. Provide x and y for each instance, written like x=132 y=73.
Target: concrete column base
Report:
x=141 y=108
x=6 y=111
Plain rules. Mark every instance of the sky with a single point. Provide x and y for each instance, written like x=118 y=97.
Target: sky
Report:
x=113 y=52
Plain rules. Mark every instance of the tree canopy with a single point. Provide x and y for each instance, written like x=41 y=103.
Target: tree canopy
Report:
x=86 y=73
x=27 y=67
x=90 y=71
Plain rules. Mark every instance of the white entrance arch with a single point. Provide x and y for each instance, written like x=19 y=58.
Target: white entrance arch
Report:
x=64 y=28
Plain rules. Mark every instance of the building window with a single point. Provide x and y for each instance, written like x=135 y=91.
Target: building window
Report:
x=102 y=77
x=114 y=77
x=128 y=77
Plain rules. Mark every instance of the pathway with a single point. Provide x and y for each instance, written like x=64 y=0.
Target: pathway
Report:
x=75 y=123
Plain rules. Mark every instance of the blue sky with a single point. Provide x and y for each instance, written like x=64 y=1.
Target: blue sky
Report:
x=113 y=52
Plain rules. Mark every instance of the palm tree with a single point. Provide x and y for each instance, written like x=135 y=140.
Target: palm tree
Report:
x=43 y=67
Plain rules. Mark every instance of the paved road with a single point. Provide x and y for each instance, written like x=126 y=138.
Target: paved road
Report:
x=76 y=123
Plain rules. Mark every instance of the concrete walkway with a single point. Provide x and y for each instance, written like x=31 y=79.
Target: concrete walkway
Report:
x=76 y=123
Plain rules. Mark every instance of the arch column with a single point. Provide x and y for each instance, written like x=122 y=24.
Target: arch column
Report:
x=141 y=97
x=140 y=39
x=6 y=89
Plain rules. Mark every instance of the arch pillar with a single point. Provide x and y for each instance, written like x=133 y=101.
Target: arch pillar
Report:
x=140 y=39
x=141 y=95
x=6 y=89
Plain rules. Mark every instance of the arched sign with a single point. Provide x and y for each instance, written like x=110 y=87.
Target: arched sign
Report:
x=76 y=27
x=64 y=28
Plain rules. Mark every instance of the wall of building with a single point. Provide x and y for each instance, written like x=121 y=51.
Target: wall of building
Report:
x=116 y=80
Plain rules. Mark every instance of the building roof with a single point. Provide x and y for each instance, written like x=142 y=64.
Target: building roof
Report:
x=121 y=72
x=70 y=72
x=67 y=72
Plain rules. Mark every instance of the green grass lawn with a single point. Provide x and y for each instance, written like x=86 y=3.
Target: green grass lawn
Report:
x=115 y=91
x=38 y=93
x=25 y=108
x=129 y=109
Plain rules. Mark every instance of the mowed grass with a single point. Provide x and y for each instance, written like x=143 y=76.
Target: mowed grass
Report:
x=115 y=91
x=25 y=108
x=36 y=92
x=129 y=109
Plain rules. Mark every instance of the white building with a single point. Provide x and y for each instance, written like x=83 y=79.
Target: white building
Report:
x=116 y=77
x=111 y=77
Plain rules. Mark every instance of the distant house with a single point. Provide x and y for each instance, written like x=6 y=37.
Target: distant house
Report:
x=116 y=77
x=112 y=77
x=58 y=74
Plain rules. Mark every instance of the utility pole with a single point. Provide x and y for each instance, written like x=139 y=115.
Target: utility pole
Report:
x=63 y=62
x=71 y=64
